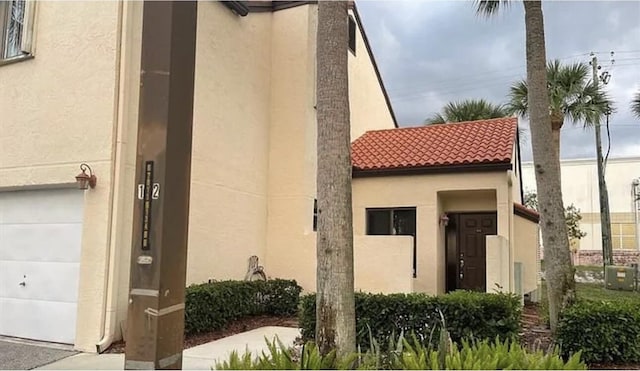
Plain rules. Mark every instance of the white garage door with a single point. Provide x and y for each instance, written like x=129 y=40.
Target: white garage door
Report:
x=40 y=234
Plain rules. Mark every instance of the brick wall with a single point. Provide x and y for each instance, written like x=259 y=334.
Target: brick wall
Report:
x=594 y=257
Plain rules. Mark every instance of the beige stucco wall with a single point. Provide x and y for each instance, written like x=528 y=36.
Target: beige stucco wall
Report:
x=254 y=156
x=292 y=151
x=229 y=169
x=383 y=264
x=57 y=112
x=497 y=264
x=230 y=142
x=432 y=195
x=369 y=110
x=292 y=137
x=525 y=247
x=582 y=192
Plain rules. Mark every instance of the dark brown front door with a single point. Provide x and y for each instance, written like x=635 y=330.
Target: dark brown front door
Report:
x=472 y=249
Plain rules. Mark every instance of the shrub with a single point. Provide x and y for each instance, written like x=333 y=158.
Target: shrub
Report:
x=210 y=306
x=467 y=314
x=605 y=331
x=407 y=355
x=279 y=357
x=484 y=355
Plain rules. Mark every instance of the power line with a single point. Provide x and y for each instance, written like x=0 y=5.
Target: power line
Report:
x=625 y=65
x=444 y=89
x=628 y=59
x=447 y=89
x=617 y=52
x=417 y=90
x=450 y=81
x=613 y=126
x=628 y=51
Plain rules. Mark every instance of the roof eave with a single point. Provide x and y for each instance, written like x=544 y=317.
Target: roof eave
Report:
x=446 y=169
x=525 y=212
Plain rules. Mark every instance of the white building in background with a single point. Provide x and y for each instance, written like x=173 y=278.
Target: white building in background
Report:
x=580 y=188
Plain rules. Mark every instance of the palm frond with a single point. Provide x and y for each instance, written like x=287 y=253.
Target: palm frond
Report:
x=490 y=7
x=572 y=94
x=518 y=99
x=436 y=118
x=635 y=105
x=468 y=110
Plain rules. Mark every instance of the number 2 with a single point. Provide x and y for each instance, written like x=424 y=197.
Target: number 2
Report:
x=156 y=191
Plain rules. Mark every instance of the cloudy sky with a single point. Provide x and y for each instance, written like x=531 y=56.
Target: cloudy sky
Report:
x=432 y=52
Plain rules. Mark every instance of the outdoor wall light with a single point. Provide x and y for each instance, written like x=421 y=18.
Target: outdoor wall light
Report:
x=444 y=220
x=85 y=180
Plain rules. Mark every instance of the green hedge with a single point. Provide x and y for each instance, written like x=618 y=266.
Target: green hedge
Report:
x=467 y=315
x=210 y=306
x=605 y=331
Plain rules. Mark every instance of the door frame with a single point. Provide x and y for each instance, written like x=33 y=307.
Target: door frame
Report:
x=452 y=246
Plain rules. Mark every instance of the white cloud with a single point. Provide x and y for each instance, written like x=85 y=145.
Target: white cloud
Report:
x=433 y=52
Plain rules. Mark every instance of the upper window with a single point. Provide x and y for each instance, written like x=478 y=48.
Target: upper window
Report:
x=623 y=236
x=352 y=34
x=315 y=214
x=15 y=32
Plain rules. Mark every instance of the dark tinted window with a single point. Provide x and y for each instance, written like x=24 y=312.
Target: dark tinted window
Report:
x=379 y=222
x=352 y=34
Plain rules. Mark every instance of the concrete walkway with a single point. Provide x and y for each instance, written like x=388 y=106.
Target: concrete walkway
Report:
x=201 y=357
x=20 y=354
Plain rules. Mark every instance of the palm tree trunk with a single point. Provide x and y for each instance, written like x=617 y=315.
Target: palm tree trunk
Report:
x=559 y=271
x=335 y=314
x=557 y=121
x=556 y=147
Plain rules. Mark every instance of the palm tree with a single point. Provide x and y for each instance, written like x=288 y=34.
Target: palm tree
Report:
x=468 y=110
x=335 y=313
x=635 y=105
x=559 y=271
x=572 y=95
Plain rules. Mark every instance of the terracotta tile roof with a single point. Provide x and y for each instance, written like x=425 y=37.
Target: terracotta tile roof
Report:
x=466 y=143
x=526 y=212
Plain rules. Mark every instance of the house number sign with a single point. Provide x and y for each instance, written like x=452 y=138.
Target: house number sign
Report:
x=147 y=192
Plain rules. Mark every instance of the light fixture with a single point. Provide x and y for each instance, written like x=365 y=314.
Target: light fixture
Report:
x=85 y=180
x=444 y=220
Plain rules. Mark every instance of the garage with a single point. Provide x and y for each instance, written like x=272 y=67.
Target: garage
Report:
x=40 y=240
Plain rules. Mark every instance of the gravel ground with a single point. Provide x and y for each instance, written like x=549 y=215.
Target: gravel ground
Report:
x=19 y=356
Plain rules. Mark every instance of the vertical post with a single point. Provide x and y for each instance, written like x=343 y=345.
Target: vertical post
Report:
x=155 y=320
x=605 y=219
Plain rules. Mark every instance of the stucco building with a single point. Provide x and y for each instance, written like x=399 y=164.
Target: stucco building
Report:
x=456 y=189
x=70 y=96
x=580 y=188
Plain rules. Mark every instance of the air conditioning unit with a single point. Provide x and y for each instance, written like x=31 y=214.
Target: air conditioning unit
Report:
x=620 y=278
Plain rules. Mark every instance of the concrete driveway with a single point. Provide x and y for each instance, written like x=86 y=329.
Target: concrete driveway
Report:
x=18 y=355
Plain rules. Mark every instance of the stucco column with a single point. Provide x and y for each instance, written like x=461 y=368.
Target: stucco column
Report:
x=504 y=206
x=429 y=254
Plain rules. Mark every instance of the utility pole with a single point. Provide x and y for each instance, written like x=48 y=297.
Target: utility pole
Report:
x=605 y=219
x=155 y=319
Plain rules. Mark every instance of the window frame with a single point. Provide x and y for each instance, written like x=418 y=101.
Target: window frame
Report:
x=391 y=211
x=618 y=236
x=26 y=37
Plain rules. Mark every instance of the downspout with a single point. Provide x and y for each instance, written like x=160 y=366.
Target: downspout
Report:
x=519 y=159
x=110 y=299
